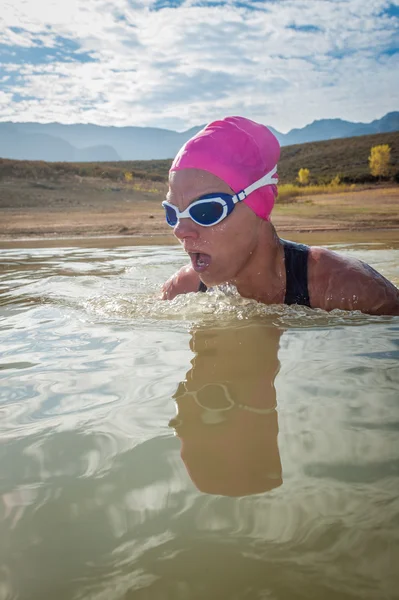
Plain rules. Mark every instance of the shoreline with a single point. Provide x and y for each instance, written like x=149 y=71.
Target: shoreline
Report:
x=158 y=235
x=319 y=237
x=77 y=210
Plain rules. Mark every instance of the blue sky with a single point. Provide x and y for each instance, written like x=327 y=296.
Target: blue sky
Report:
x=181 y=63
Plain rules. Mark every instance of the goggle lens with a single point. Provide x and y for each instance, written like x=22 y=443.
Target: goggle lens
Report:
x=171 y=215
x=207 y=213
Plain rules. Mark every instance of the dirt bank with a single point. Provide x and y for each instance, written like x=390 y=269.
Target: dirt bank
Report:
x=94 y=207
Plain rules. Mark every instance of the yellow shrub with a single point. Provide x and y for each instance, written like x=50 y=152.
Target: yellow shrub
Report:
x=303 y=176
x=379 y=160
x=128 y=177
x=336 y=181
x=288 y=191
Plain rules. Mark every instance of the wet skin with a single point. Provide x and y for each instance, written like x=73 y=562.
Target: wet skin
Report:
x=245 y=250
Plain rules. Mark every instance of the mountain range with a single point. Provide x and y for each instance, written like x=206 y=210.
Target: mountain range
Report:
x=94 y=143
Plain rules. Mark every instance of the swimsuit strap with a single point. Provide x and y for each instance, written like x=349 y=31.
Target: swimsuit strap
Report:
x=202 y=287
x=296 y=269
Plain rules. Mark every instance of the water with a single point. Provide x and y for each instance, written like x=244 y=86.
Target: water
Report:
x=204 y=448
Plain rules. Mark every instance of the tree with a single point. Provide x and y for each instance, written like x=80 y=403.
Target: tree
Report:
x=128 y=177
x=335 y=181
x=379 y=160
x=303 y=176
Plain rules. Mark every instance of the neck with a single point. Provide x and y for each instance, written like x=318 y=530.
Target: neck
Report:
x=263 y=277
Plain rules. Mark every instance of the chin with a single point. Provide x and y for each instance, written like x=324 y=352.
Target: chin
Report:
x=217 y=273
x=211 y=280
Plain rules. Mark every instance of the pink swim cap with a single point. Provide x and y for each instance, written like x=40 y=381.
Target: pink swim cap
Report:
x=238 y=151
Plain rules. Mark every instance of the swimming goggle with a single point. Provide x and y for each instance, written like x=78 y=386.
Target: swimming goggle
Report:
x=213 y=208
x=215 y=400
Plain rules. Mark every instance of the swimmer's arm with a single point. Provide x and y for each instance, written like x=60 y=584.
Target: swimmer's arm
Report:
x=185 y=280
x=349 y=284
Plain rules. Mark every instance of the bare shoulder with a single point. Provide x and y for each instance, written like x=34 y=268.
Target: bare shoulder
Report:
x=337 y=281
x=184 y=281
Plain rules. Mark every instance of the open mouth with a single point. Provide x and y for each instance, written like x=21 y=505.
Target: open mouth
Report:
x=200 y=261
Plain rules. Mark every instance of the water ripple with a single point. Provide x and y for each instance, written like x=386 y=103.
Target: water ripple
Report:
x=95 y=499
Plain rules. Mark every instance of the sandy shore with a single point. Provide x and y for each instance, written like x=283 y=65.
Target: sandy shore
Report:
x=85 y=208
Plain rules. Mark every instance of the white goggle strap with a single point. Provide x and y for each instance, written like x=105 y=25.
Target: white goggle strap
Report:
x=267 y=179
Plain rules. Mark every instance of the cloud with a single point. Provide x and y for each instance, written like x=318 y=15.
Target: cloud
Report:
x=180 y=63
x=54 y=49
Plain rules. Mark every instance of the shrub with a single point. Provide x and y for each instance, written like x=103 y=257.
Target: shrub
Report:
x=128 y=177
x=379 y=160
x=303 y=176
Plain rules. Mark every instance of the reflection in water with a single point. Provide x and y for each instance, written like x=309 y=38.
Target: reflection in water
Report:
x=96 y=502
x=226 y=410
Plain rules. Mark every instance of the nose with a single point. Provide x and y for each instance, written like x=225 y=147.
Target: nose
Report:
x=186 y=229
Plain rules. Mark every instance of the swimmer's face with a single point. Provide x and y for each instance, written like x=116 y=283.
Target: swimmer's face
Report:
x=226 y=246
x=232 y=452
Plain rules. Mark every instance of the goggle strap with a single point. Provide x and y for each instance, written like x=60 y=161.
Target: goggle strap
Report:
x=267 y=179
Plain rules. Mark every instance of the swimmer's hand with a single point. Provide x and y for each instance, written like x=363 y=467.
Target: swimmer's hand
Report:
x=182 y=282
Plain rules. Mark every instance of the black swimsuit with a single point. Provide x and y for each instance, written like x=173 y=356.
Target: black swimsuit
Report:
x=296 y=269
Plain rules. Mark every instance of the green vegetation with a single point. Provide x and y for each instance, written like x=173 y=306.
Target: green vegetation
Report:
x=344 y=161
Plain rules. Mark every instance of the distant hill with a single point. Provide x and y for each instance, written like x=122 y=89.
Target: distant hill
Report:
x=20 y=142
x=92 y=143
x=329 y=129
x=346 y=157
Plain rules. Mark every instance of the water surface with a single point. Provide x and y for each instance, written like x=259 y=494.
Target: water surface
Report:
x=208 y=447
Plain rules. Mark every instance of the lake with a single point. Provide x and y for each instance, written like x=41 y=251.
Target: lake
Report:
x=207 y=447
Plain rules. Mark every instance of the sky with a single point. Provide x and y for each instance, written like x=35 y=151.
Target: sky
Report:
x=176 y=64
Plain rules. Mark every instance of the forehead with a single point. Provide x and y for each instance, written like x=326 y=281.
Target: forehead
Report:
x=189 y=184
